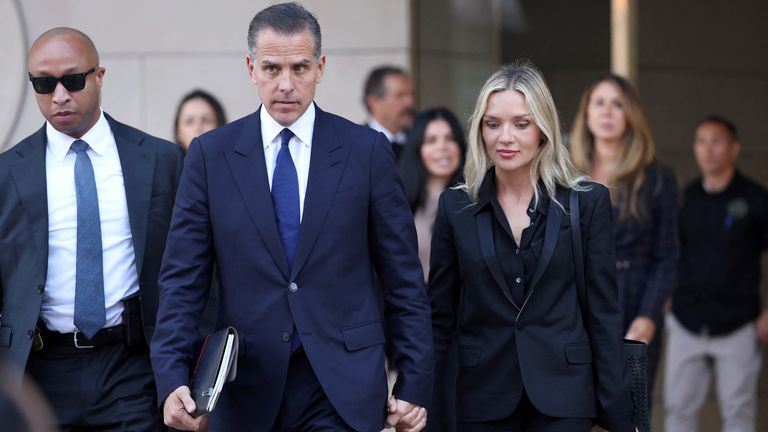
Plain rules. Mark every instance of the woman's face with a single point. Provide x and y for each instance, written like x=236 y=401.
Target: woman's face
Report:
x=511 y=137
x=605 y=112
x=195 y=118
x=440 y=152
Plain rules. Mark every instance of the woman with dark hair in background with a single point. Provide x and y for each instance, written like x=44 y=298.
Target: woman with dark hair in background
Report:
x=198 y=113
x=611 y=142
x=431 y=163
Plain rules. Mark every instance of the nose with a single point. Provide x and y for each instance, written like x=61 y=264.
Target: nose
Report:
x=506 y=136
x=60 y=94
x=286 y=82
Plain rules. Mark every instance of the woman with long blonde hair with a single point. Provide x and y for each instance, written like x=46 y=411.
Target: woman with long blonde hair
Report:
x=502 y=269
x=611 y=142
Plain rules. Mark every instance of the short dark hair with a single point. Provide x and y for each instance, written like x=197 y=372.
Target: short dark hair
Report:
x=727 y=124
x=218 y=110
x=285 y=19
x=412 y=170
x=374 y=84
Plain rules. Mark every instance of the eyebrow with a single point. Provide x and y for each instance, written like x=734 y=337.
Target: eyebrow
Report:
x=515 y=117
x=301 y=62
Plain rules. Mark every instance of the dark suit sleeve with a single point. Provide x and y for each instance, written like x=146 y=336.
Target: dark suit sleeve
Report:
x=444 y=283
x=185 y=278
x=444 y=293
x=394 y=252
x=665 y=247
x=605 y=317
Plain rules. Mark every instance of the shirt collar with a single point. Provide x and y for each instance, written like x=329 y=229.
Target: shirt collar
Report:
x=487 y=194
x=97 y=138
x=303 y=128
x=395 y=138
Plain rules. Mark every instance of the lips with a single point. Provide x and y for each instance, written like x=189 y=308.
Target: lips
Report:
x=63 y=115
x=507 y=154
x=443 y=162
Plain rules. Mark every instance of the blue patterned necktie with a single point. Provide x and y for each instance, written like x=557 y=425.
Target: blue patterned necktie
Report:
x=90 y=313
x=285 y=198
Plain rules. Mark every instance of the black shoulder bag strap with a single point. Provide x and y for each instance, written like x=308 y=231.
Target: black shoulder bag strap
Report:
x=635 y=357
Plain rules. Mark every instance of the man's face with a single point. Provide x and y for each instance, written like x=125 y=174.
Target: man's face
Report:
x=286 y=73
x=70 y=112
x=395 y=110
x=715 y=149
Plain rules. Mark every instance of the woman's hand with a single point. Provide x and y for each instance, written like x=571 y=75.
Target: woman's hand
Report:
x=642 y=329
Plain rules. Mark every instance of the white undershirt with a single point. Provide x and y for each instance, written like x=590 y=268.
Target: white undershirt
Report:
x=300 y=146
x=120 y=277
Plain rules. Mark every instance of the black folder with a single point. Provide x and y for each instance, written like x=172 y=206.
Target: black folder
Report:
x=216 y=364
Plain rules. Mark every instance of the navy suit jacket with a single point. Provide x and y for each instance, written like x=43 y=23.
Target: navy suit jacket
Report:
x=569 y=365
x=151 y=171
x=356 y=220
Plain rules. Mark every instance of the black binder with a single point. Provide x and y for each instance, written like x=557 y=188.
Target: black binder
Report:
x=216 y=364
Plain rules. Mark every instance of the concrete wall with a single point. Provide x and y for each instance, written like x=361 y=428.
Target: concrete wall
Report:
x=155 y=52
x=456 y=48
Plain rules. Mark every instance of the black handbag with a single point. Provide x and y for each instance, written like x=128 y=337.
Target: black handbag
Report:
x=635 y=352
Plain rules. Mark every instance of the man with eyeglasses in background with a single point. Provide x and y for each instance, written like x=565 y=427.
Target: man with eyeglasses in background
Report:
x=85 y=205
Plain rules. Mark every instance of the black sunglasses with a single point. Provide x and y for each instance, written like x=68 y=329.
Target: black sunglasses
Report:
x=73 y=82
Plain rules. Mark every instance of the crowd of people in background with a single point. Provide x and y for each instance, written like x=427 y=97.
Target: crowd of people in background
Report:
x=471 y=229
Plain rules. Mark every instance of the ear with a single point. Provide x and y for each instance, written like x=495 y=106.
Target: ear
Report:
x=251 y=68
x=736 y=150
x=100 y=72
x=320 y=68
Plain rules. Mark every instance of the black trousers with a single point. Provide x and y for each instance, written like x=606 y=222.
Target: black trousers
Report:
x=106 y=388
x=305 y=407
x=527 y=418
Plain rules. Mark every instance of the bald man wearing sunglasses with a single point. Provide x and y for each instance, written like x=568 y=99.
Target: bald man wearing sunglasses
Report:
x=85 y=205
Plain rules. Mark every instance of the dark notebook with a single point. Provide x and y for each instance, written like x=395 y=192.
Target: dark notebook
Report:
x=216 y=364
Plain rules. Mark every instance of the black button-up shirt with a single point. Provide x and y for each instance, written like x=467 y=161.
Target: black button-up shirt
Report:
x=518 y=262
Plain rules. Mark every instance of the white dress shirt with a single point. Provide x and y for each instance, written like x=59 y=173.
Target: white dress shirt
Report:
x=300 y=146
x=394 y=138
x=120 y=277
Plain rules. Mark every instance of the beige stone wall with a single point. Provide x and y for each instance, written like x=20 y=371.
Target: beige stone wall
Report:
x=156 y=51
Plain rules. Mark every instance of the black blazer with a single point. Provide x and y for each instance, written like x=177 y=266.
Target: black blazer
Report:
x=151 y=171
x=567 y=368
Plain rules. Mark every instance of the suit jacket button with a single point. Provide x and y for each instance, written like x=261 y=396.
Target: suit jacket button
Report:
x=30 y=334
x=286 y=337
x=293 y=287
x=40 y=288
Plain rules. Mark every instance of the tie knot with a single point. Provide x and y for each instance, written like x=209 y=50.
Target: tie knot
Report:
x=285 y=136
x=79 y=146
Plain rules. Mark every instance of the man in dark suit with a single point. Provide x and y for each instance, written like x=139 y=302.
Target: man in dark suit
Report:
x=297 y=207
x=85 y=204
x=388 y=98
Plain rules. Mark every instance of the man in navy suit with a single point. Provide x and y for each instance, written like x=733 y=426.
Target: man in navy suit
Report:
x=85 y=205
x=297 y=208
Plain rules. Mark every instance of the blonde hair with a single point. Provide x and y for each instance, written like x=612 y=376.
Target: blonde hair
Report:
x=551 y=164
x=637 y=146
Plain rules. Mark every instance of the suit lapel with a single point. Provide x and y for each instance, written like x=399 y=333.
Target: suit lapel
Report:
x=249 y=170
x=29 y=174
x=485 y=235
x=551 y=234
x=326 y=165
x=138 y=172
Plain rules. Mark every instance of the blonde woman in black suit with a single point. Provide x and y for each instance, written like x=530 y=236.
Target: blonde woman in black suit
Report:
x=502 y=268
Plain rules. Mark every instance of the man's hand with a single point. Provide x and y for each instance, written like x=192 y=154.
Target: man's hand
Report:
x=642 y=329
x=177 y=411
x=761 y=327
x=405 y=416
